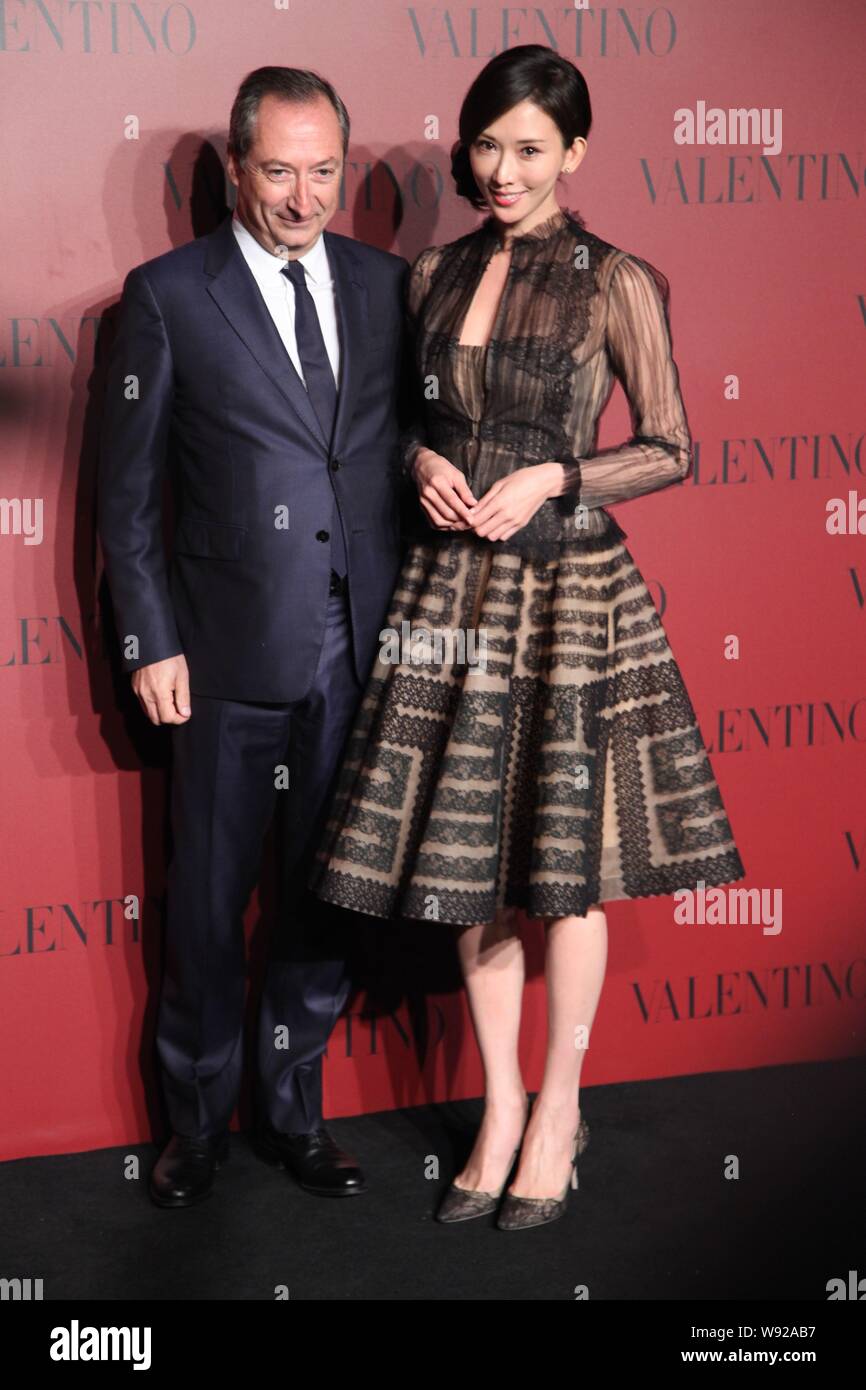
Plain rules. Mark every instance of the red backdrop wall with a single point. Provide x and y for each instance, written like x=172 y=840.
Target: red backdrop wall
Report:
x=764 y=253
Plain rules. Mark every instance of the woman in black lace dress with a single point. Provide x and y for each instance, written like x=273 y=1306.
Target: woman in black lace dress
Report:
x=555 y=762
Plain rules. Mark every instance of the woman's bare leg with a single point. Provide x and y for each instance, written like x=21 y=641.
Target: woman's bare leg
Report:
x=574 y=968
x=491 y=958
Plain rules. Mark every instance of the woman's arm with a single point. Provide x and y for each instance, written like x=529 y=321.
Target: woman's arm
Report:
x=412 y=427
x=638 y=344
x=441 y=488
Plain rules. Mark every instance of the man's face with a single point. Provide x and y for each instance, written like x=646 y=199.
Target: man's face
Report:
x=289 y=183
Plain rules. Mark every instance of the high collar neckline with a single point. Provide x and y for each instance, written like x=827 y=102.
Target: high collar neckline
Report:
x=542 y=231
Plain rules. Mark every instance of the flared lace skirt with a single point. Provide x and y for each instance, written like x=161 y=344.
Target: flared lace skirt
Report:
x=525 y=739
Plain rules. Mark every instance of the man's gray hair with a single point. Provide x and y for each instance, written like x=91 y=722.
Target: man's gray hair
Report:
x=297 y=85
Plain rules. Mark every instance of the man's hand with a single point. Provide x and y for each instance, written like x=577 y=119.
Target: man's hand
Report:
x=511 y=502
x=163 y=690
x=442 y=491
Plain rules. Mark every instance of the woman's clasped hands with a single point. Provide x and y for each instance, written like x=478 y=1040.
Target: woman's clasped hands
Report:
x=506 y=507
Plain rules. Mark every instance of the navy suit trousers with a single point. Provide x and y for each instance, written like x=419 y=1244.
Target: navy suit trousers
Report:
x=226 y=765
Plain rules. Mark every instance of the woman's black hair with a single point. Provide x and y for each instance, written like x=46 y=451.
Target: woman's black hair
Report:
x=529 y=72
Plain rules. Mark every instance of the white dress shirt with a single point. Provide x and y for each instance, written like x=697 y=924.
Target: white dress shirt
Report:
x=279 y=294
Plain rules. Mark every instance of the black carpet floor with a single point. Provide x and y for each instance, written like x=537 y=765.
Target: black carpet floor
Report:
x=654 y=1216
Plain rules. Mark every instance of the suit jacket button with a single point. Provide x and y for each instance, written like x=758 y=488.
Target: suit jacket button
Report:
x=323 y=535
x=335 y=464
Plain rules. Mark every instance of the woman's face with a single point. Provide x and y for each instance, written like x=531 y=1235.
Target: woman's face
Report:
x=516 y=161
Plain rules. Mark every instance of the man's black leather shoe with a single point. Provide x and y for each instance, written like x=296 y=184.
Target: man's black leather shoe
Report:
x=183 y=1173
x=314 y=1160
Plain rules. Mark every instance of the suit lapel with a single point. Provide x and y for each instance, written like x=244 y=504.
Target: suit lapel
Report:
x=233 y=287
x=351 y=299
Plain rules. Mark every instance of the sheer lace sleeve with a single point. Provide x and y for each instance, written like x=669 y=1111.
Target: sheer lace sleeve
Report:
x=639 y=349
x=412 y=432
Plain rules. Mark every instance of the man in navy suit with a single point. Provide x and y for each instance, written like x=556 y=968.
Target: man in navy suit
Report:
x=264 y=362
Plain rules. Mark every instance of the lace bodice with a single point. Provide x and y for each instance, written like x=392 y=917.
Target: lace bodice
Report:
x=576 y=312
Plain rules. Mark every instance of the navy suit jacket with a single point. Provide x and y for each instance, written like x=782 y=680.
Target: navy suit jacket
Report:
x=199 y=379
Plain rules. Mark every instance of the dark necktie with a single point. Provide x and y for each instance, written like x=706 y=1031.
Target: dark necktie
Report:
x=319 y=380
